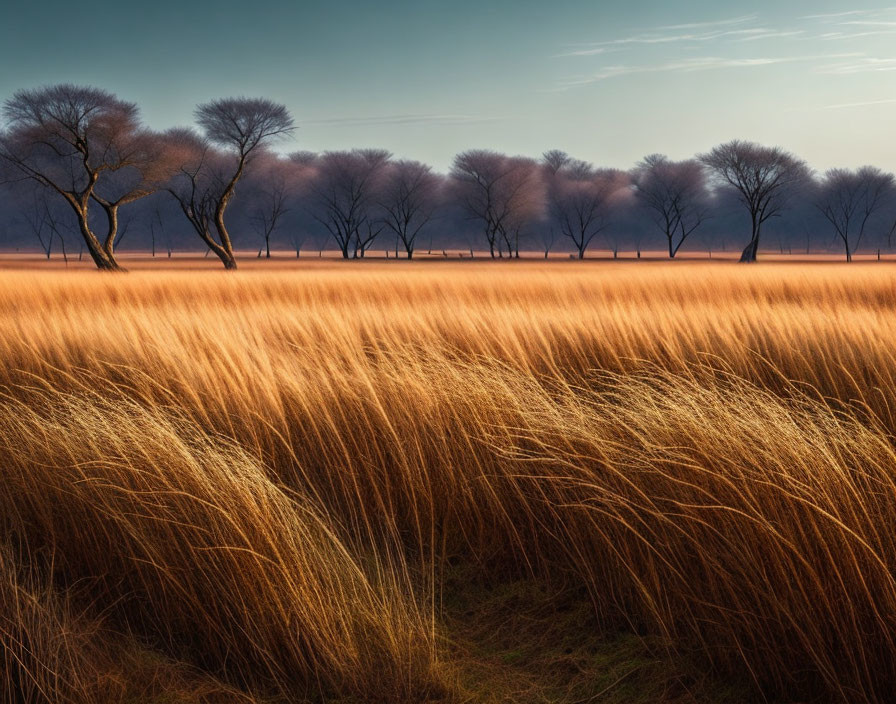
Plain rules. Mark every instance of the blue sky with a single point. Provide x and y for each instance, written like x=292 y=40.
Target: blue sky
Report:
x=608 y=82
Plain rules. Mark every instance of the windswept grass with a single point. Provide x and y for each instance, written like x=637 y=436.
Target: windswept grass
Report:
x=320 y=483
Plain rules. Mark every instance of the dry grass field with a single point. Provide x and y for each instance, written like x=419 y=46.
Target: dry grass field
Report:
x=459 y=482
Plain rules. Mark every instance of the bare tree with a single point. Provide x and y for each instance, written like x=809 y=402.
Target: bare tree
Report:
x=547 y=238
x=346 y=195
x=526 y=194
x=500 y=191
x=157 y=228
x=79 y=142
x=580 y=199
x=765 y=178
x=849 y=199
x=243 y=127
x=409 y=198
x=271 y=198
x=43 y=222
x=304 y=171
x=151 y=165
x=196 y=187
x=554 y=160
x=675 y=195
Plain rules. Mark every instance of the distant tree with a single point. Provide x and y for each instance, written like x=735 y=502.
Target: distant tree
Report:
x=547 y=238
x=765 y=178
x=272 y=199
x=243 y=127
x=621 y=231
x=849 y=199
x=345 y=197
x=43 y=219
x=409 y=197
x=527 y=204
x=675 y=195
x=86 y=145
x=580 y=198
x=157 y=229
x=302 y=224
x=502 y=192
x=554 y=160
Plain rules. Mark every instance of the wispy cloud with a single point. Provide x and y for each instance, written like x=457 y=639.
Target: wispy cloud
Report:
x=865 y=103
x=672 y=46
x=757 y=34
x=843 y=106
x=855 y=24
x=714 y=23
x=861 y=64
x=830 y=36
x=833 y=16
x=704 y=63
x=404 y=119
x=674 y=34
x=849 y=25
x=590 y=51
x=869 y=23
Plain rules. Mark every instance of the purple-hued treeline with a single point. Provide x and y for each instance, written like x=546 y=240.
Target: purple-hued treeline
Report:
x=81 y=175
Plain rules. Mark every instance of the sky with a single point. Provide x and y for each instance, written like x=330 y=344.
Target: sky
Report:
x=608 y=82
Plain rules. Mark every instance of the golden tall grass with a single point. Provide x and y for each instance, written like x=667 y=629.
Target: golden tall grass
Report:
x=256 y=485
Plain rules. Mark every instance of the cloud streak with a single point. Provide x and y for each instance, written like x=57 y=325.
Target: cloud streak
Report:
x=865 y=103
x=675 y=34
x=704 y=63
x=674 y=45
x=863 y=64
x=714 y=23
x=403 y=119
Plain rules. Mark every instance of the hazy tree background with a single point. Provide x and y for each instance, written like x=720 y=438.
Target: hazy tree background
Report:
x=81 y=175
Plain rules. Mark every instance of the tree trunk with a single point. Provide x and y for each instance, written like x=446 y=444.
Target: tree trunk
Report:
x=223 y=235
x=112 y=217
x=105 y=261
x=749 y=254
x=225 y=254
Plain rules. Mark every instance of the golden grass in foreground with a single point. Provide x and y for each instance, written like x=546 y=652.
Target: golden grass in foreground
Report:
x=264 y=485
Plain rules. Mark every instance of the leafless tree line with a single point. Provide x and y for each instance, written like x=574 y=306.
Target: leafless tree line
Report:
x=85 y=152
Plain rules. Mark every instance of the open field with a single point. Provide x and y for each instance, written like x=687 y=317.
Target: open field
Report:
x=282 y=259
x=508 y=482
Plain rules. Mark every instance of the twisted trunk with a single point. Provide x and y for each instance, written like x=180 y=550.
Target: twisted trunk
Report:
x=748 y=256
x=104 y=260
